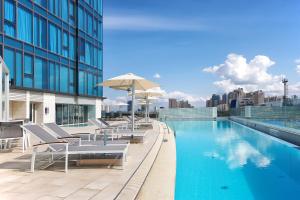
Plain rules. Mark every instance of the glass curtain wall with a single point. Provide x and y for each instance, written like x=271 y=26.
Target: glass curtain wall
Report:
x=40 y=46
x=73 y=114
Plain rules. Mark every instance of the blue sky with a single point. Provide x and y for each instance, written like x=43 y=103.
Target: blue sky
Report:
x=182 y=41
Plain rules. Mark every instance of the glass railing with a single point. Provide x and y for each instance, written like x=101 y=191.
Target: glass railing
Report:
x=188 y=113
x=285 y=116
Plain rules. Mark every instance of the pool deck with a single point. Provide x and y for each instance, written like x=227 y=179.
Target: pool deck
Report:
x=160 y=183
x=147 y=164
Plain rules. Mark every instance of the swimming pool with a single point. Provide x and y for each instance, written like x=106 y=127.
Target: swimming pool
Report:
x=225 y=160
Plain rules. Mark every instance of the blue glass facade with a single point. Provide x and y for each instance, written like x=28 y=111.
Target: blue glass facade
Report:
x=53 y=45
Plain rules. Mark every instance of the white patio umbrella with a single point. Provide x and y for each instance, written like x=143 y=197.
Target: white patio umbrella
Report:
x=129 y=82
x=150 y=94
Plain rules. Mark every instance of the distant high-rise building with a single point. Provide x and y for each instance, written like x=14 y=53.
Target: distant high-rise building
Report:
x=173 y=103
x=224 y=98
x=215 y=100
x=129 y=106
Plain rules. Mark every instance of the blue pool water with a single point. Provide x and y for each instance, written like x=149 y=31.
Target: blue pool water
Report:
x=225 y=160
x=284 y=123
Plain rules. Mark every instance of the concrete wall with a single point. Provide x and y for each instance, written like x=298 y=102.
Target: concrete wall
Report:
x=17 y=110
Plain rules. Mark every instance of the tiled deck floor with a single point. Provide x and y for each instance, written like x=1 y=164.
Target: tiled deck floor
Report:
x=17 y=183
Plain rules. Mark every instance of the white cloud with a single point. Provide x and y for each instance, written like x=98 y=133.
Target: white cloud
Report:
x=194 y=100
x=150 y=23
x=236 y=72
x=298 y=69
x=116 y=101
x=297 y=61
x=157 y=76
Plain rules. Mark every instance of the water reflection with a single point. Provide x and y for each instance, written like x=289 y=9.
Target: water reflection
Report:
x=238 y=152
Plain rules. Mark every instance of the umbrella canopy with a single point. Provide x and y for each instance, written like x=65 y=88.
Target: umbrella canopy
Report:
x=150 y=94
x=125 y=82
x=129 y=82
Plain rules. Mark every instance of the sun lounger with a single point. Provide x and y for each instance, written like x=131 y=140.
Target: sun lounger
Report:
x=62 y=134
x=11 y=132
x=62 y=147
x=120 y=133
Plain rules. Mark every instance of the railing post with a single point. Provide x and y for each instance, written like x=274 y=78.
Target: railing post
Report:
x=1 y=95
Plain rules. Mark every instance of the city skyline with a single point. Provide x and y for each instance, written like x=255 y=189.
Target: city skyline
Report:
x=213 y=47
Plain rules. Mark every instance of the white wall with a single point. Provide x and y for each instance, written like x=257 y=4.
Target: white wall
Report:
x=49 y=102
x=98 y=105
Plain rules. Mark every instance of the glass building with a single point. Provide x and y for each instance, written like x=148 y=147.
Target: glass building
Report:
x=53 y=49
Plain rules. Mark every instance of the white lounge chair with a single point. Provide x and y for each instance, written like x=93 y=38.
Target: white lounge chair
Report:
x=62 y=147
x=62 y=134
x=119 y=133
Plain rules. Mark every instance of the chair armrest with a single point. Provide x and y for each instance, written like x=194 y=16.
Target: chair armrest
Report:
x=47 y=143
x=68 y=137
x=81 y=133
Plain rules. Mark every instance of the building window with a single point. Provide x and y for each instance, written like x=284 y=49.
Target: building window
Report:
x=42 y=3
x=88 y=56
x=65 y=47
x=65 y=10
x=82 y=50
x=51 y=76
x=24 y=25
x=82 y=82
x=73 y=114
x=90 y=83
x=95 y=28
x=64 y=82
x=72 y=80
x=19 y=69
x=9 y=18
x=81 y=18
x=72 y=47
x=100 y=57
x=95 y=87
x=89 y=24
x=40 y=32
x=96 y=57
x=9 y=58
x=54 y=39
x=72 y=13
x=58 y=111
x=28 y=71
x=54 y=7
x=100 y=10
x=57 y=77
x=40 y=74
x=100 y=31
x=100 y=89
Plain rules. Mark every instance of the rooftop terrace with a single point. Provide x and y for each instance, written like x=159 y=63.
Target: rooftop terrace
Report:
x=93 y=182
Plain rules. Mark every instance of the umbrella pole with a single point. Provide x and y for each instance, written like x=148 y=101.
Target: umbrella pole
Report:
x=146 y=113
x=147 y=106
x=132 y=105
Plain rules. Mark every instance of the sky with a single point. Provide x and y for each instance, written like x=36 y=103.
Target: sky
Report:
x=194 y=48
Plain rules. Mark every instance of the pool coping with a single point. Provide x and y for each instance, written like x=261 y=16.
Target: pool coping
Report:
x=135 y=184
x=161 y=179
